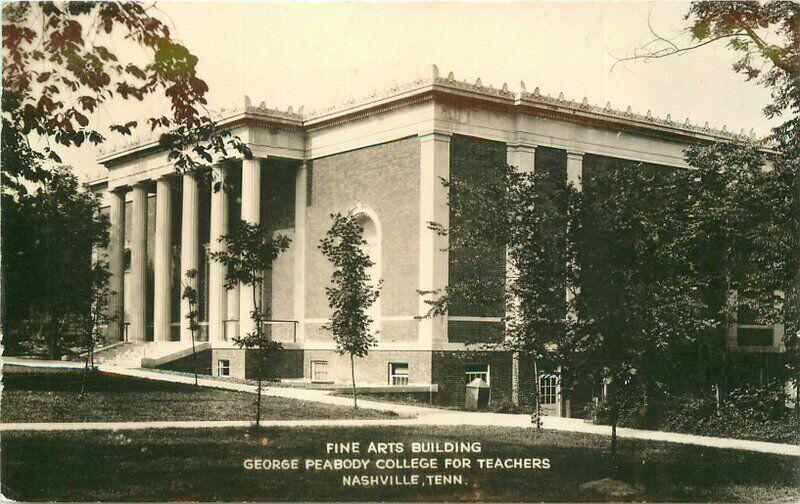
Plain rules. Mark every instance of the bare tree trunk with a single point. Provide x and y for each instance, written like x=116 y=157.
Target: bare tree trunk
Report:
x=85 y=371
x=614 y=420
x=537 y=409
x=353 y=376
x=194 y=361
x=258 y=388
x=257 y=319
x=797 y=394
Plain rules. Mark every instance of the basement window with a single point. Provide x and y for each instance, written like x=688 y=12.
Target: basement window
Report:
x=319 y=371
x=398 y=373
x=223 y=367
x=473 y=371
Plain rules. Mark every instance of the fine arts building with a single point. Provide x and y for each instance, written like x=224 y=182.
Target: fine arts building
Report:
x=382 y=159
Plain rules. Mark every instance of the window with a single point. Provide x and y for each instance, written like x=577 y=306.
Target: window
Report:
x=754 y=336
x=398 y=373
x=319 y=371
x=223 y=367
x=477 y=371
x=548 y=389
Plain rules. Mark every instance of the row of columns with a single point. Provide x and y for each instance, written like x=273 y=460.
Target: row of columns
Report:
x=223 y=304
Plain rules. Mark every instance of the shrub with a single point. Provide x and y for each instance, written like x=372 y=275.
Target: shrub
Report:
x=749 y=412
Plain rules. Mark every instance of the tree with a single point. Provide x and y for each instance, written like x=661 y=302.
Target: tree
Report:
x=60 y=65
x=543 y=211
x=190 y=295
x=251 y=250
x=351 y=292
x=48 y=238
x=508 y=244
x=742 y=235
x=97 y=315
x=636 y=303
x=766 y=37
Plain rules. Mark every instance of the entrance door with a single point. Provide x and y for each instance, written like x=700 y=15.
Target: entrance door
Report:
x=550 y=394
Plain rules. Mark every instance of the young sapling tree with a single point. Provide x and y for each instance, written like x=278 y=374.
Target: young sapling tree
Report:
x=251 y=250
x=351 y=292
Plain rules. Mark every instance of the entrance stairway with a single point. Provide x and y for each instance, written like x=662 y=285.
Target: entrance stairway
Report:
x=134 y=355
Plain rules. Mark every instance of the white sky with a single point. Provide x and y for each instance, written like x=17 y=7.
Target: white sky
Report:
x=320 y=54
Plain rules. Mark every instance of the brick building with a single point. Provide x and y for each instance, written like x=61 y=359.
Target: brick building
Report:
x=381 y=159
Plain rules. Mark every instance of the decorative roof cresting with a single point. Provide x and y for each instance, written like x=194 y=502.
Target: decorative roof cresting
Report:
x=434 y=78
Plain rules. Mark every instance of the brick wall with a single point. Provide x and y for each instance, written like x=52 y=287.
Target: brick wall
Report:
x=449 y=372
x=471 y=160
x=374 y=368
x=186 y=364
x=286 y=363
x=384 y=178
x=278 y=213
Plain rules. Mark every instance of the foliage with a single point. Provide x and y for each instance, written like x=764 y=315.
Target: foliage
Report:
x=523 y=217
x=636 y=304
x=752 y=412
x=742 y=236
x=62 y=63
x=49 y=279
x=97 y=316
x=352 y=291
x=767 y=36
x=250 y=251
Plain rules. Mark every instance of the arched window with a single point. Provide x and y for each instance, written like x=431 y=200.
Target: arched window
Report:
x=368 y=220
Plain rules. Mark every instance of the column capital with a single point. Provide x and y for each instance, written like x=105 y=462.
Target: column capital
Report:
x=575 y=153
x=169 y=176
x=435 y=135
x=521 y=146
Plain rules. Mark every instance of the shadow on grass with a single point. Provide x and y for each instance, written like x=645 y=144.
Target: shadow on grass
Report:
x=208 y=465
x=54 y=395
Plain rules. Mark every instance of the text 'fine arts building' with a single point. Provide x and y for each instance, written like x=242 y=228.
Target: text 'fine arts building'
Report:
x=383 y=160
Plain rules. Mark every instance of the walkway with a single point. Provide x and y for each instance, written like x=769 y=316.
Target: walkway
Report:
x=409 y=415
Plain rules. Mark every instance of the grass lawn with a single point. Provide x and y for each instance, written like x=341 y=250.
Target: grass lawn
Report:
x=207 y=465
x=53 y=395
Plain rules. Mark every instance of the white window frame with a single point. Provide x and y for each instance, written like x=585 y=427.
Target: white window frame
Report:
x=485 y=376
x=399 y=379
x=226 y=367
x=314 y=370
x=548 y=389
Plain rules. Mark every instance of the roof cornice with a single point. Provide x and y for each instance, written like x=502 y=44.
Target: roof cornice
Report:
x=435 y=86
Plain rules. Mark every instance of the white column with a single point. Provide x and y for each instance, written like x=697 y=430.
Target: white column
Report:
x=523 y=157
x=217 y=296
x=190 y=244
x=162 y=295
x=116 y=264
x=299 y=244
x=433 y=261
x=138 y=304
x=251 y=212
x=575 y=177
